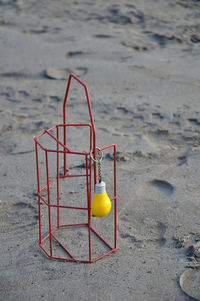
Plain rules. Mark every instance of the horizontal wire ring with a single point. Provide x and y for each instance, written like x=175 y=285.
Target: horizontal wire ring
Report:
x=101 y=158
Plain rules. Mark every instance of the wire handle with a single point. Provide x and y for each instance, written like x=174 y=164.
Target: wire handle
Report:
x=98 y=161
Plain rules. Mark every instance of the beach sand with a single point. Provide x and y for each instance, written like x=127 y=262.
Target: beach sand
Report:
x=140 y=61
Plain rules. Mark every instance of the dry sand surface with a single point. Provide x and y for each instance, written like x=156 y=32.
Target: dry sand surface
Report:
x=140 y=60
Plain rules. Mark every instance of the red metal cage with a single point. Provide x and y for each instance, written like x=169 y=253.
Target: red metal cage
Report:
x=62 y=153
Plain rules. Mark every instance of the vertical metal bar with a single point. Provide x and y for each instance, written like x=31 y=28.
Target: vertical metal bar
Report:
x=58 y=177
x=89 y=211
x=65 y=155
x=64 y=122
x=38 y=183
x=49 y=202
x=90 y=138
x=65 y=100
x=94 y=131
x=94 y=153
x=115 y=194
x=89 y=206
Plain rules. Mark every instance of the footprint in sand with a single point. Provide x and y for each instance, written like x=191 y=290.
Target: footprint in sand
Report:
x=194 y=121
x=138 y=218
x=144 y=231
x=16 y=217
x=155 y=190
x=123 y=110
x=159 y=137
x=72 y=54
x=62 y=74
x=162 y=40
x=157 y=116
x=189 y=283
x=102 y=36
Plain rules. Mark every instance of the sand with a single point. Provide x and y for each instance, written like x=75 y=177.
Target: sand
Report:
x=140 y=61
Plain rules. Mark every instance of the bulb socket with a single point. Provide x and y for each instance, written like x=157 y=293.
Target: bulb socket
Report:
x=100 y=187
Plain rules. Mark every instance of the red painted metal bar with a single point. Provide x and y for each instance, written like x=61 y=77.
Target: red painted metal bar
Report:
x=45 y=186
x=40 y=143
x=89 y=212
x=58 y=193
x=106 y=147
x=45 y=251
x=75 y=124
x=111 y=251
x=64 y=152
x=115 y=195
x=80 y=261
x=52 y=128
x=62 y=226
x=72 y=176
x=61 y=206
x=102 y=238
x=74 y=225
x=52 y=136
x=69 y=207
x=68 y=176
x=52 y=231
x=115 y=190
x=63 y=125
x=38 y=136
x=63 y=247
x=49 y=202
x=64 y=121
x=57 y=140
x=90 y=202
x=38 y=184
x=63 y=145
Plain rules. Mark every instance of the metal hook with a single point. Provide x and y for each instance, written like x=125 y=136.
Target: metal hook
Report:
x=97 y=160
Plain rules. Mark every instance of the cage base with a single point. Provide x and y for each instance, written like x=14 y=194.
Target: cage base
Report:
x=72 y=258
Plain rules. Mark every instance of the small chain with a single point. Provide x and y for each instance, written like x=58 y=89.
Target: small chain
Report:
x=98 y=161
x=99 y=170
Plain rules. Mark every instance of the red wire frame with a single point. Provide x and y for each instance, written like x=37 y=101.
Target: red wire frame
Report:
x=63 y=149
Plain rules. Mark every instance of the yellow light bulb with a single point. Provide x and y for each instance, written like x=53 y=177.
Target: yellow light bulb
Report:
x=101 y=204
